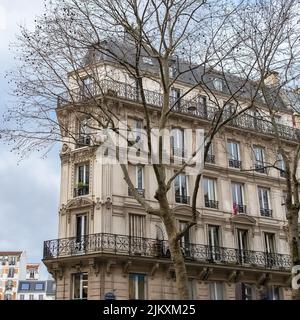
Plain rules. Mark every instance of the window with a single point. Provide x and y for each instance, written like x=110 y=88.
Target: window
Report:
x=216 y=291
x=12 y=261
x=138 y=130
x=80 y=286
x=81 y=231
x=214 y=242
x=147 y=60
x=210 y=195
x=202 y=106
x=210 y=158
x=283 y=202
x=140 y=180
x=25 y=286
x=274 y=293
x=242 y=239
x=192 y=289
x=270 y=248
x=84 y=133
x=137 y=286
x=175 y=98
x=39 y=286
x=22 y=296
x=82 y=180
x=11 y=273
x=259 y=160
x=181 y=192
x=237 y=190
x=281 y=165
x=177 y=142
x=233 y=149
x=86 y=87
x=185 y=240
x=31 y=297
x=31 y=273
x=264 y=196
x=218 y=84
x=244 y=291
x=136 y=225
x=41 y=297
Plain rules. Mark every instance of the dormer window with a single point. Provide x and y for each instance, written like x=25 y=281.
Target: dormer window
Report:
x=147 y=60
x=218 y=84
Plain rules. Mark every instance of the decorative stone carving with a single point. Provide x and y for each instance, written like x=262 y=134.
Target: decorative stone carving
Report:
x=65 y=149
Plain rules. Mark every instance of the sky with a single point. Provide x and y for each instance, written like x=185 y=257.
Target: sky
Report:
x=29 y=193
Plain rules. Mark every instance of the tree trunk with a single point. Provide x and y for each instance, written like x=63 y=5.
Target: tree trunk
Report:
x=177 y=257
x=293 y=235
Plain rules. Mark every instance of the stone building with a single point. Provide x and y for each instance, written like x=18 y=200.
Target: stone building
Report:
x=108 y=244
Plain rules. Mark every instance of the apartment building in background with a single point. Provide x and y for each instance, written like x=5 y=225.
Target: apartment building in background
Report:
x=109 y=246
x=12 y=269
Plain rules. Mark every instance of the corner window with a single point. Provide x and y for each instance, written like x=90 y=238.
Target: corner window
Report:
x=137 y=286
x=80 y=286
x=84 y=134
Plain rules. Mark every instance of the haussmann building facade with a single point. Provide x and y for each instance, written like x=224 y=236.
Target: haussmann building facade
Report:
x=108 y=245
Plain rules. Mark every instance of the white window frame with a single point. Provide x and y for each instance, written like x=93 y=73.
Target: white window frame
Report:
x=210 y=189
x=214 y=290
x=260 y=189
x=81 y=286
x=137 y=177
x=230 y=150
x=136 y=284
x=236 y=193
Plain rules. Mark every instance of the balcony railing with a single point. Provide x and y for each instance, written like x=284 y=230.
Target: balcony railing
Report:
x=266 y=212
x=81 y=191
x=189 y=107
x=260 y=168
x=141 y=192
x=122 y=245
x=83 y=141
x=211 y=204
x=239 y=208
x=210 y=158
x=233 y=163
x=182 y=199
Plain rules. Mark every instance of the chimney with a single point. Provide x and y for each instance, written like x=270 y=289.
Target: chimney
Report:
x=272 y=79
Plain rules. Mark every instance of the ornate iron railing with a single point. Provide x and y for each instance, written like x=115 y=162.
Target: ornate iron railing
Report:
x=190 y=107
x=144 y=247
x=233 y=163
x=210 y=158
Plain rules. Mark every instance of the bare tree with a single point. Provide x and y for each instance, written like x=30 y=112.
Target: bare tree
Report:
x=201 y=39
x=278 y=67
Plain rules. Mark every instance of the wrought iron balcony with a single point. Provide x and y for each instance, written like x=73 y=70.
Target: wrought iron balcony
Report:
x=81 y=191
x=141 y=192
x=233 y=163
x=266 y=212
x=182 y=199
x=260 y=168
x=122 y=245
x=239 y=208
x=193 y=108
x=83 y=141
x=210 y=158
x=211 y=204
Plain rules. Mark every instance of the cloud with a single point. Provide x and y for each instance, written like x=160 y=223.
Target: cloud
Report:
x=29 y=203
x=3 y=18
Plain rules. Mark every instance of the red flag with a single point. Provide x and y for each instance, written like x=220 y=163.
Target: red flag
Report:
x=235 y=209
